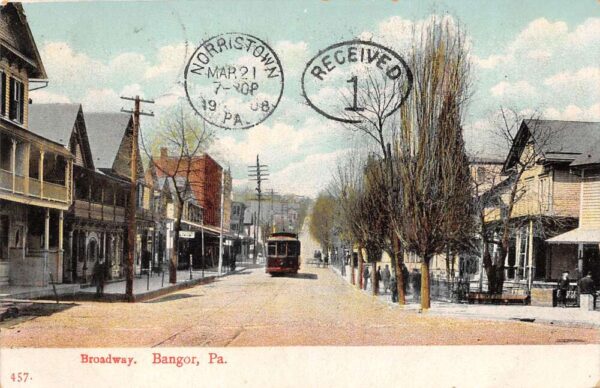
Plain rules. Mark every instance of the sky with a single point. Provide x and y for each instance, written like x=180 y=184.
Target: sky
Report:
x=541 y=56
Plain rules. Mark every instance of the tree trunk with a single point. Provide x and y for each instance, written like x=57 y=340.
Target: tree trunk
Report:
x=399 y=275
x=425 y=288
x=374 y=281
x=360 y=268
x=352 y=280
x=175 y=251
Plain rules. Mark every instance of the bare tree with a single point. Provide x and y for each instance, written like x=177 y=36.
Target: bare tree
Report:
x=526 y=141
x=372 y=112
x=184 y=137
x=431 y=162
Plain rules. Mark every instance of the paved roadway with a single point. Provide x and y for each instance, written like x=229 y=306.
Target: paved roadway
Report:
x=253 y=309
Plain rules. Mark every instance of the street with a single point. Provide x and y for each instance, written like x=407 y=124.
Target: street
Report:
x=253 y=309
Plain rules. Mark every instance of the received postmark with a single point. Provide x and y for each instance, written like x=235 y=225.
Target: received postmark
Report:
x=356 y=80
x=234 y=80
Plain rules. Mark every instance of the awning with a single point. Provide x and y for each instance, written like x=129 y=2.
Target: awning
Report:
x=577 y=236
x=211 y=230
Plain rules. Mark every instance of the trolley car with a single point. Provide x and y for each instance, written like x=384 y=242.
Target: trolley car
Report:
x=283 y=253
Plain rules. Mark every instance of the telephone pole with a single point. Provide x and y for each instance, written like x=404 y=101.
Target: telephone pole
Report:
x=131 y=209
x=258 y=173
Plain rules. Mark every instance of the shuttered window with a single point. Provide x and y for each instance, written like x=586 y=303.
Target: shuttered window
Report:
x=16 y=107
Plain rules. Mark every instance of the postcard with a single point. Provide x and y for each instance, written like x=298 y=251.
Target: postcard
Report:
x=300 y=193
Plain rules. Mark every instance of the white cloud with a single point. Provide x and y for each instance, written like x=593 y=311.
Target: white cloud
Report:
x=517 y=89
x=108 y=100
x=573 y=113
x=172 y=60
x=42 y=96
x=308 y=176
x=293 y=55
x=585 y=81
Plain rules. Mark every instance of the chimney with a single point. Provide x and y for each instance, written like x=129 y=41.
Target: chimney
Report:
x=164 y=153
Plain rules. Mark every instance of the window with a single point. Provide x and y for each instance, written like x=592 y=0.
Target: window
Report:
x=16 y=100
x=271 y=249
x=281 y=251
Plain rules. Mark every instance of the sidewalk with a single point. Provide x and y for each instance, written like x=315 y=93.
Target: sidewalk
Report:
x=570 y=317
x=145 y=287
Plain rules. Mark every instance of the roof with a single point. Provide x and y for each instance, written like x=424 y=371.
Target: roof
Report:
x=105 y=132
x=53 y=121
x=591 y=156
x=577 y=236
x=28 y=53
x=556 y=140
x=182 y=185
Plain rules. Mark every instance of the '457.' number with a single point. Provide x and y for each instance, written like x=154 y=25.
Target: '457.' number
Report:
x=20 y=377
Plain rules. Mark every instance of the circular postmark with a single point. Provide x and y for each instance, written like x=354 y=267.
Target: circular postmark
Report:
x=234 y=80
x=356 y=80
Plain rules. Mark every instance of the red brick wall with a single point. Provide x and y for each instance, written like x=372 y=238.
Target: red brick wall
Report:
x=205 y=181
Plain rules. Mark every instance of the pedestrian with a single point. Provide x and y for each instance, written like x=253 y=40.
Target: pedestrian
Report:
x=405 y=278
x=343 y=266
x=416 y=284
x=98 y=277
x=586 y=286
x=563 y=287
x=385 y=276
x=394 y=289
x=366 y=275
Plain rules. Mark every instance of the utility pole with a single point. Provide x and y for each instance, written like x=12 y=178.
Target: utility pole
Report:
x=222 y=214
x=258 y=173
x=131 y=209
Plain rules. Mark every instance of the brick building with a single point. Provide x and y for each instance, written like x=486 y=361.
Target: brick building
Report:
x=205 y=181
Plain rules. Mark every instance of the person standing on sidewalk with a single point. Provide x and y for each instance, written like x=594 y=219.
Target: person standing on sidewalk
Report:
x=366 y=275
x=385 y=276
x=394 y=289
x=586 y=287
x=563 y=287
x=416 y=284
x=98 y=277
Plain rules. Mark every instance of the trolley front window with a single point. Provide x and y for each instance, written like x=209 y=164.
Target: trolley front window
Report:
x=281 y=251
x=271 y=249
x=292 y=249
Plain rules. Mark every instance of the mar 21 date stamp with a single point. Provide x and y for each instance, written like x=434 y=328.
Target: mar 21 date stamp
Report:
x=234 y=80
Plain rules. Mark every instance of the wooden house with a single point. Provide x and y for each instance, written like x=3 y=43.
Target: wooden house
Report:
x=548 y=197
x=110 y=135
x=35 y=172
x=586 y=237
x=95 y=224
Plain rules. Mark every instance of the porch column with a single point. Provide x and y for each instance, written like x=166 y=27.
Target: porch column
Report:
x=580 y=259
x=13 y=163
x=41 y=173
x=73 y=275
x=530 y=256
x=26 y=153
x=518 y=253
x=68 y=181
x=60 y=251
x=85 y=255
x=46 y=244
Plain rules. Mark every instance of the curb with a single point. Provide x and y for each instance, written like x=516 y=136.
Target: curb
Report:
x=454 y=314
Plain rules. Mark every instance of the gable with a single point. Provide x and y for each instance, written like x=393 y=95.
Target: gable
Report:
x=122 y=163
x=79 y=144
x=17 y=40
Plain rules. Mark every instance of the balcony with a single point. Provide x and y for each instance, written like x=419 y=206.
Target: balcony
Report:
x=98 y=211
x=32 y=188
